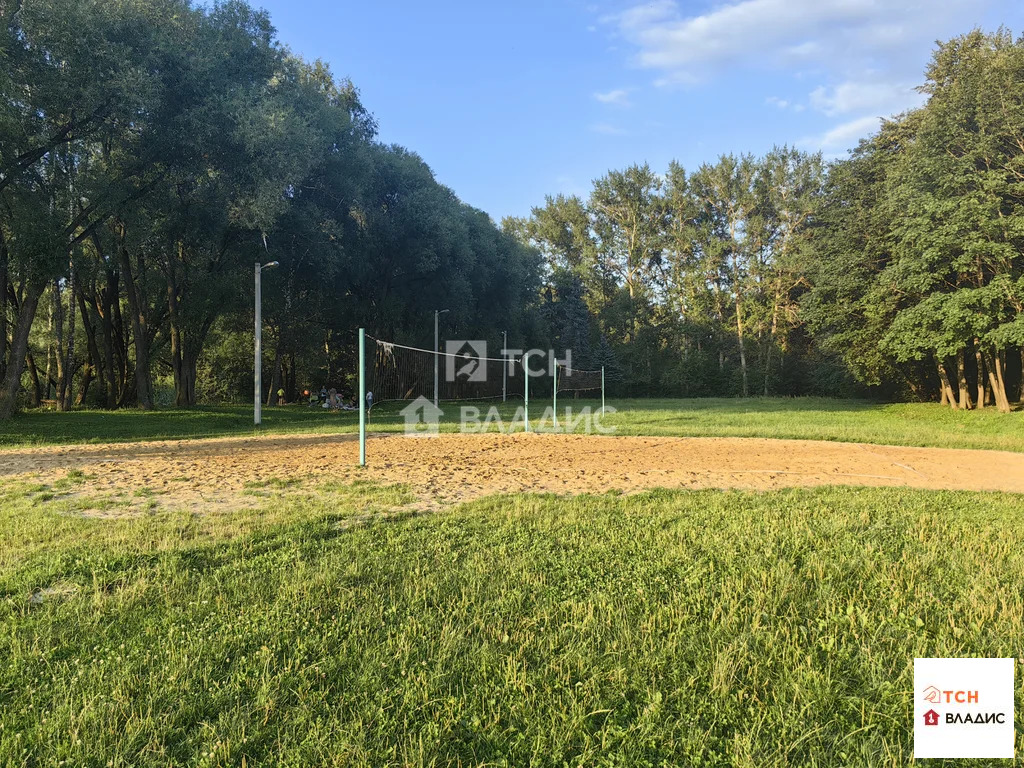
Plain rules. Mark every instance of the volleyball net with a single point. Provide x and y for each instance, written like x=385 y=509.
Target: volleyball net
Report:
x=398 y=372
x=421 y=379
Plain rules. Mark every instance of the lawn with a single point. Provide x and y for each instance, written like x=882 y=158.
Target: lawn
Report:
x=916 y=424
x=340 y=627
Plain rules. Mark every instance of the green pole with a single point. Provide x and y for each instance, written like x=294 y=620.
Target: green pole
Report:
x=554 y=398
x=362 y=397
x=602 y=389
x=526 y=390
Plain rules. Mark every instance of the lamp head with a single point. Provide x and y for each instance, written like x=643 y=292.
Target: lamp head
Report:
x=270 y=264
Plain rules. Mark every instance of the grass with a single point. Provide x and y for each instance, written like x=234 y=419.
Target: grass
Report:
x=667 y=628
x=917 y=424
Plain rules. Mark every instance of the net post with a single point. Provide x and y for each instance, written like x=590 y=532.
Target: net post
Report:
x=504 y=365
x=526 y=391
x=602 y=390
x=554 y=398
x=362 y=397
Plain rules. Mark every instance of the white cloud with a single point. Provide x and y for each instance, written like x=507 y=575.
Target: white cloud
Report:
x=860 y=59
x=834 y=33
x=882 y=98
x=618 y=97
x=843 y=136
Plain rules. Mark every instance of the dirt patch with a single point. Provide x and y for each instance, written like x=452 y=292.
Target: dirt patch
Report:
x=222 y=473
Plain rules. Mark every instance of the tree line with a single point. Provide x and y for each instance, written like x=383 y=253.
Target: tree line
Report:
x=151 y=151
x=898 y=270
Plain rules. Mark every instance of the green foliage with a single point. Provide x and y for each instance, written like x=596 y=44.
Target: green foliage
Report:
x=162 y=148
x=925 y=224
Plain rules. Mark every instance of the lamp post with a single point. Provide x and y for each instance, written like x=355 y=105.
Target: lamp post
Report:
x=258 y=357
x=437 y=315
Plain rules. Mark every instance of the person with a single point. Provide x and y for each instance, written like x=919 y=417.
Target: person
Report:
x=323 y=394
x=280 y=397
x=369 y=400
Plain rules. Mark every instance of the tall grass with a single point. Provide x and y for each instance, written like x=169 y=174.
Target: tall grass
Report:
x=339 y=628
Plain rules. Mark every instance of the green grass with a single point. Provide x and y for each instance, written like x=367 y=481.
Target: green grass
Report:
x=802 y=418
x=340 y=628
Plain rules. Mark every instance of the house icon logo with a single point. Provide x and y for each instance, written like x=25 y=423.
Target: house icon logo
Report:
x=932 y=695
x=931 y=717
x=464 y=360
x=421 y=417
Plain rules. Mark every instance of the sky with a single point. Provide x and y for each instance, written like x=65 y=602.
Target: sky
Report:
x=511 y=101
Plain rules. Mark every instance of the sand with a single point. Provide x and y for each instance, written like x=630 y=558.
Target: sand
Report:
x=215 y=474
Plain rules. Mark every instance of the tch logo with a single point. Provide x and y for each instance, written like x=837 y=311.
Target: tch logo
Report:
x=963 y=708
x=935 y=696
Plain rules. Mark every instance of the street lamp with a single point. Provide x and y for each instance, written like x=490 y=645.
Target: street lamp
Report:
x=437 y=314
x=258 y=364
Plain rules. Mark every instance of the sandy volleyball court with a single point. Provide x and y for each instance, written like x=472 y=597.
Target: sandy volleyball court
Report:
x=451 y=468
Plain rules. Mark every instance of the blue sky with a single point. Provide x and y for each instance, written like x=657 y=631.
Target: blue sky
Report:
x=509 y=101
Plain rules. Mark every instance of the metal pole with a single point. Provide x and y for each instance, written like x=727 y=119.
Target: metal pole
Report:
x=258 y=356
x=526 y=390
x=602 y=390
x=554 y=398
x=504 y=366
x=362 y=397
x=436 y=342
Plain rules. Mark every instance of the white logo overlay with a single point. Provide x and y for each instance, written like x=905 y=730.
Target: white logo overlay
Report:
x=963 y=708
x=463 y=360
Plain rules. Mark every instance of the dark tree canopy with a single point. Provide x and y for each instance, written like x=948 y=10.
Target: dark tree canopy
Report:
x=152 y=150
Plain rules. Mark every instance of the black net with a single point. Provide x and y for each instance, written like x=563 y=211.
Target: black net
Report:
x=573 y=380
x=398 y=372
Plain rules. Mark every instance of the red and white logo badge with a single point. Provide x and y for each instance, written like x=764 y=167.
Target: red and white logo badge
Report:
x=963 y=708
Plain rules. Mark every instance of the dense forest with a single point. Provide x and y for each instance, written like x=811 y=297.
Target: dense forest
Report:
x=151 y=151
x=899 y=270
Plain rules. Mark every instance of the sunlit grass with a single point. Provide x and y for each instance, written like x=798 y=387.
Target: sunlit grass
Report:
x=799 y=418
x=668 y=628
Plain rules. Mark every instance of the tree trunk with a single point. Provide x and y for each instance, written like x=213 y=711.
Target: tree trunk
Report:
x=275 y=379
x=948 y=398
x=93 y=365
x=995 y=380
x=69 y=352
x=59 y=357
x=140 y=332
x=3 y=305
x=964 y=402
x=743 y=354
x=980 y=386
x=87 y=376
x=37 y=388
x=103 y=302
x=1020 y=396
x=120 y=339
x=19 y=349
